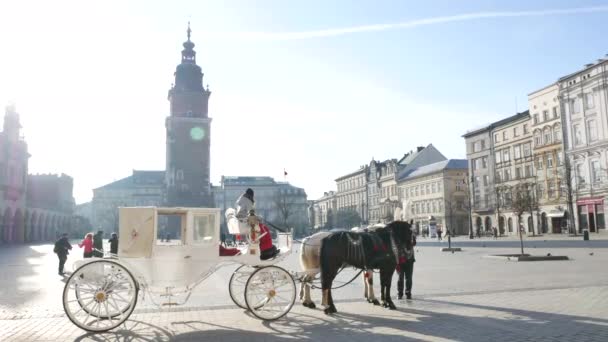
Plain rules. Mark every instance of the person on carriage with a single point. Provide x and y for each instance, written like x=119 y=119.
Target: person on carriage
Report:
x=245 y=208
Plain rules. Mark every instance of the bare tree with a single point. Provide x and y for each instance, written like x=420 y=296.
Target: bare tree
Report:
x=284 y=206
x=522 y=202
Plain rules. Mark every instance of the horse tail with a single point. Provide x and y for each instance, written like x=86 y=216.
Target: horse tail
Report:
x=324 y=262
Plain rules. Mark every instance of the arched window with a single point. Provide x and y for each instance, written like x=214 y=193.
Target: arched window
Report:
x=538 y=139
x=557 y=133
x=548 y=135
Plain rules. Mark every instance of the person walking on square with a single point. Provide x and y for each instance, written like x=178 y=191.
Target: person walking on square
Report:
x=98 y=244
x=406 y=271
x=114 y=243
x=62 y=249
x=87 y=243
x=438 y=234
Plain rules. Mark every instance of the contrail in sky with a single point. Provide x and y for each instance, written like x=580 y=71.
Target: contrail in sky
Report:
x=412 y=23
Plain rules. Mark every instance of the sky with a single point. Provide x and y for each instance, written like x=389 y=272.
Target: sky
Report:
x=317 y=88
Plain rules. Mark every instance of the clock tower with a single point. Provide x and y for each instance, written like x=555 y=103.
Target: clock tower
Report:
x=188 y=136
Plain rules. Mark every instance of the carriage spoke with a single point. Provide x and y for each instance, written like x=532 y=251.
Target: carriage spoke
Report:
x=105 y=292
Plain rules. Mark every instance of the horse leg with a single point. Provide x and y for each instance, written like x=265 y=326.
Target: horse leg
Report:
x=388 y=278
x=365 y=286
x=369 y=286
x=305 y=292
x=307 y=300
x=327 y=301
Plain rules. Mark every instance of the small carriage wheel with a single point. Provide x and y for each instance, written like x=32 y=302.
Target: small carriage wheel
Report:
x=100 y=295
x=270 y=292
x=236 y=286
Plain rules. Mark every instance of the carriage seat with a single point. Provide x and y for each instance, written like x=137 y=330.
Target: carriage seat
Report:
x=229 y=251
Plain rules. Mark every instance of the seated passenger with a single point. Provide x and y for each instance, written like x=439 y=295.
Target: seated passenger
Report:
x=245 y=206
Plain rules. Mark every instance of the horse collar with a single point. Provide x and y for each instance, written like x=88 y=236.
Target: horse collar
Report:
x=394 y=248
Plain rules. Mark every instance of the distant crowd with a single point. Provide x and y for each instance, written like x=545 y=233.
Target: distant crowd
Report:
x=92 y=245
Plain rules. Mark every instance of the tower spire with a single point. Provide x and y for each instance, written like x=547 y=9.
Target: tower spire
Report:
x=189 y=31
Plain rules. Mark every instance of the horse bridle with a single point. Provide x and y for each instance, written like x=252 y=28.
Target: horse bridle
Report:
x=398 y=252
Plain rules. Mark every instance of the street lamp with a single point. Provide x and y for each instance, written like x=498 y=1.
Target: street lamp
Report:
x=471 y=205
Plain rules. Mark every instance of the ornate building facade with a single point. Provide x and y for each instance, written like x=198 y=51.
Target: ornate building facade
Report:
x=584 y=107
x=32 y=207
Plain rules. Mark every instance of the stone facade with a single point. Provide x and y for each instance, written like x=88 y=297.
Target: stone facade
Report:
x=436 y=192
x=514 y=167
x=324 y=210
x=481 y=179
x=351 y=197
x=545 y=111
x=584 y=106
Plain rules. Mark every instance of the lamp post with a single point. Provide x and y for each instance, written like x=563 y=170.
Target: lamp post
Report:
x=471 y=204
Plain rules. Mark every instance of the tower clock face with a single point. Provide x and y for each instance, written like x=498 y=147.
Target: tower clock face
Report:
x=197 y=133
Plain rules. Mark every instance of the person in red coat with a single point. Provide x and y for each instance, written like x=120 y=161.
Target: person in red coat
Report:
x=268 y=250
x=87 y=243
x=245 y=205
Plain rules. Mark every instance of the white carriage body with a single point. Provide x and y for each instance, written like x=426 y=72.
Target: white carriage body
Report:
x=176 y=263
x=179 y=263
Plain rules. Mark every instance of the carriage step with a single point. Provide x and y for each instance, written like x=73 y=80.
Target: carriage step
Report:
x=169 y=304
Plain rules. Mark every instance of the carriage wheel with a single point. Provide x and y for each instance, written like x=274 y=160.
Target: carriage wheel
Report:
x=100 y=295
x=236 y=286
x=270 y=292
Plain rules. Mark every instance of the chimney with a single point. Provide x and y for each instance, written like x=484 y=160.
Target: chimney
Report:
x=588 y=65
x=419 y=148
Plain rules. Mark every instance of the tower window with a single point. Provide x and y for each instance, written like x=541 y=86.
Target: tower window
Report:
x=179 y=175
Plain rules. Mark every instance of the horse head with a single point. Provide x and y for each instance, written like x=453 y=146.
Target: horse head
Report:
x=402 y=233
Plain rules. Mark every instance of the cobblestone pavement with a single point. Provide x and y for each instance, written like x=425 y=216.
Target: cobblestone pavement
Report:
x=457 y=297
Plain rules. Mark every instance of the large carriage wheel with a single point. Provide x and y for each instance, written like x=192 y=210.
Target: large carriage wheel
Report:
x=236 y=286
x=100 y=295
x=270 y=292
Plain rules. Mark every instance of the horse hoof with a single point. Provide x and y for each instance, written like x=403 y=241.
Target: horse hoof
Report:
x=312 y=305
x=375 y=302
x=330 y=310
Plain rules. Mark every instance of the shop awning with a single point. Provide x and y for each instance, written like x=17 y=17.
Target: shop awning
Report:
x=556 y=213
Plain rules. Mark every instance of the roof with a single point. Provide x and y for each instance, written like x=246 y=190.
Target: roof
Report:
x=498 y=123
x=247 y=180
x=138 y=178
x=587 y=67
x=362 y=169
x=450 y=164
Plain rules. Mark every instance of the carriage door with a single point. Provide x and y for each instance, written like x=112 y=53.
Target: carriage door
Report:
x=205 y=238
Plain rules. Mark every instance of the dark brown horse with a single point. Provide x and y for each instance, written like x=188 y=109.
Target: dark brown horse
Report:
x=382 y=249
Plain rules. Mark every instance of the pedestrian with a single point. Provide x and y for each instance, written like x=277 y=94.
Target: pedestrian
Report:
x=62 y=249
x=113 y=244
x=98 y=244
x=406 y=271
x=495 y=233
x=87 y=243
x=438 y=234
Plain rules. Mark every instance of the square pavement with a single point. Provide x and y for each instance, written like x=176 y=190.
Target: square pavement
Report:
x=457 y=297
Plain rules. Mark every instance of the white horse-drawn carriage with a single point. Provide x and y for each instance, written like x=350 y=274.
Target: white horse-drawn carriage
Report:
x=102 y=293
